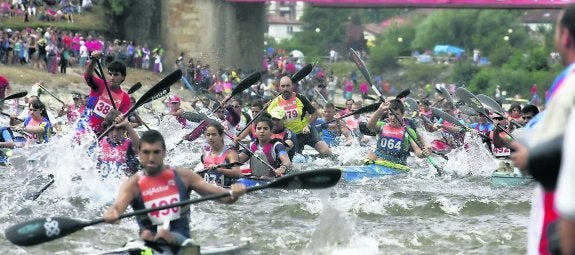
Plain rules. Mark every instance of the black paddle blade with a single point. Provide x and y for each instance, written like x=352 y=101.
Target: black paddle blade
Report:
x=134 y=88
x=315 y=179
x=446 y=94
x=159 y=95
x=42 y=230
x=157 y=90
x=403 y=94
x=467 y=110
x=302 y=73
x=246 y=83
x=16 y=95
x=367 y=108
x=193 y=117
x=360 y=65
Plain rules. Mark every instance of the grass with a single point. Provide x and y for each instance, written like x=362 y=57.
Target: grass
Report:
x=86 y=21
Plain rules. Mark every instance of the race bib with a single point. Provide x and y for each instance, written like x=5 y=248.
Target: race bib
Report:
x=102 y=107
x=166 y=215
x=391 y=144
x=500 y=152
x=291 y=113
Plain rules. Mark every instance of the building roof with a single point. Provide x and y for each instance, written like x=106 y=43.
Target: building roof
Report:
x=373 y=28
x=277 y=19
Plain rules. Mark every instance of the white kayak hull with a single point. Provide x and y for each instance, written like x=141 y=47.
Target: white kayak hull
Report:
x=140 y=247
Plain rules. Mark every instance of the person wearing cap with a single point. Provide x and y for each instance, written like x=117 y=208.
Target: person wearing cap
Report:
x=99 y=102
x=174 y=109
x=299 y=114
x=4 y=89
x=266 y=149
x=280 y=133
x=74 y=109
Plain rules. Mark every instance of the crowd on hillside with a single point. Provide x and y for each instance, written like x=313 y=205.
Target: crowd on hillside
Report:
x=44 y=10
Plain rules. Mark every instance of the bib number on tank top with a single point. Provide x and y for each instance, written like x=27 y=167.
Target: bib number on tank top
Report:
x=102 y=108
x=159 y=217
x=390 y=144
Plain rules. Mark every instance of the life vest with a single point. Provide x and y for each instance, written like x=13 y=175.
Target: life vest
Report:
x=267 y=151
x=391 y=145
x=113 y=158
x=74 y=112
x=163 y=189
x=295 y=116
x=214 y=176
x=44 y=124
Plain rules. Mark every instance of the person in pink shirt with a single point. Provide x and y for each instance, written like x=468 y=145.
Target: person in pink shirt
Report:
x=364 y=88
x=99 y=103
x=76 y=44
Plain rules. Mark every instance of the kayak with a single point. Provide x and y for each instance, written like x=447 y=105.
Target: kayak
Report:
x=510 y=179
x=356 y=173
x=150 y=248
x=508 y=176
x=251 y=181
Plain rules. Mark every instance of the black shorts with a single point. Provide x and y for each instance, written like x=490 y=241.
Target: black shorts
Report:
x=310 y=139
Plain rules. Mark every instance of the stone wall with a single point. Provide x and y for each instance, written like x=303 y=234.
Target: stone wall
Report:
x=217 y=32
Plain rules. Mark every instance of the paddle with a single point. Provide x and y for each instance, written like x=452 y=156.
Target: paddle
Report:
x=404 y=93
x=445 y=94
x=50 y=93
x=474 y=103
x=302 y=73
x=363 y=69
x=467 y=110
x=41 y=230
x=14 y=96
x=491 y=104
x=243 y=85
x=227 y=166
x=37 y=194
x=365 y=109
x=134 y=88
x=157 y=91
x=103 y=77
x=8 y=115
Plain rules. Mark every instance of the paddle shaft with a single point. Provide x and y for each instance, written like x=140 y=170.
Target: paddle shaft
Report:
x=253 y=154
x=38 y=193
x=51 y=94
x=103 y=77
x=363 y=69
x=365 y=109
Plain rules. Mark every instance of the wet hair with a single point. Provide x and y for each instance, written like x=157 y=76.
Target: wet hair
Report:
x=152 y=136
x=396 y=104
x=235 y=99
x=530 y=109
x=329 y=105
x=514 y=106
x=568 y=20
x=37 y=104
x=265 y=117
x=217 y=126
x=117 y=66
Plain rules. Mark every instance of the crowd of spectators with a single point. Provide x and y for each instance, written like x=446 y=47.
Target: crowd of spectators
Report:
x=43 y=10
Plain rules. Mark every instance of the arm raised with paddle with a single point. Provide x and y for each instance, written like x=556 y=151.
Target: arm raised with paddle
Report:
x=363 y=69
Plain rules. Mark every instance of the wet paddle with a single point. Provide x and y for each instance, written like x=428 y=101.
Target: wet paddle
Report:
x=14 y=96
x=365 y=109
x=41 y=230
x=491 y=104
x=50 y=93
x=157 y=91
x=134 y=88
x=445 y=94
x=363 y=69
x=37 y=194
x=474 y=103
x=467 y=110
x=302 y=73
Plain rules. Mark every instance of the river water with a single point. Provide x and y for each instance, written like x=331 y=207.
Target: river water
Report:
x=417 y=213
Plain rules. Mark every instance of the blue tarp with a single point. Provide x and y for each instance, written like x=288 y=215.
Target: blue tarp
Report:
x=446 y=49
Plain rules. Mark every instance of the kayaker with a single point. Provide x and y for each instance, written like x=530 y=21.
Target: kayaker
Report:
x=331 y=132
x=273 y=152
x=237 y=106
x=36 y=124
x=218 y=155
x=299 y=114
x=99 y=103
x=256 y=107
x=528 y=112
x=6 y=144
x=551 y=125
x=158 y=185
x=393 y=143
x=117 y=156
x=280 y=133
x=175 y=109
